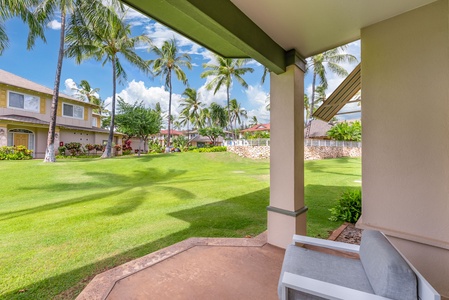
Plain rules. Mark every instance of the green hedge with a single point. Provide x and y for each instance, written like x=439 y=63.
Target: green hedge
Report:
x=211 y=149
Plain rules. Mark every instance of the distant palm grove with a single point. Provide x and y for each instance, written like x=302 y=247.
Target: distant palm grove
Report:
x=97 y=30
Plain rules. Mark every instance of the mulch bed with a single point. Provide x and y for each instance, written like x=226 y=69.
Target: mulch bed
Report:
x=347 y=233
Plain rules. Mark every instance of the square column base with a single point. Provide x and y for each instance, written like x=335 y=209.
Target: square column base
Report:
x=282 y=227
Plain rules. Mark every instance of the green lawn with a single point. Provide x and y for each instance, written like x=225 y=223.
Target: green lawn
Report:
x=62 y=223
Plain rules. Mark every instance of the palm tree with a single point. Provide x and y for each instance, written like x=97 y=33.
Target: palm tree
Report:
x=253 y=121
x=237 y=112
x=307 y=109
x=44 y=11
x=331 y=59
x=204 y=119
x=169 y=60
x=185 y=120
x=191 y=105
x=86 y=92
x=218 y=115
x=22 y=9
x=104 y=40
x=224 y=72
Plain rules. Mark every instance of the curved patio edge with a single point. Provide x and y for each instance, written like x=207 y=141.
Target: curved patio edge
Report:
x=102 y=284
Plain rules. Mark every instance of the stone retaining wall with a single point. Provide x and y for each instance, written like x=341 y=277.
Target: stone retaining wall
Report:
x=310 y=153
x=254 y=152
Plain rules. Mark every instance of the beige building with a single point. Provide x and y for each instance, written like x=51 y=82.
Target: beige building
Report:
x=405 y=75
x=25 y=116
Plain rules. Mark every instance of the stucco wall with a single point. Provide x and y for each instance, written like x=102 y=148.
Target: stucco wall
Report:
x=405 y=75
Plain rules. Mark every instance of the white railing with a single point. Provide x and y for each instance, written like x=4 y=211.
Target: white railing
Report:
x=252 y=142
x=331 y=143
x=307 y=142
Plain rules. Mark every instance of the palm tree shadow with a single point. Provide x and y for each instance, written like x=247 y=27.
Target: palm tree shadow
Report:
x=108 y=185
x=237 y=216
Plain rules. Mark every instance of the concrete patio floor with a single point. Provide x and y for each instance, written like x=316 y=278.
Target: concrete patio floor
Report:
x=198 y=268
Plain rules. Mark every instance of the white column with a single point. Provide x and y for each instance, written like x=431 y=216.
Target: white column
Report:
x=3 y=135
x=286 y=213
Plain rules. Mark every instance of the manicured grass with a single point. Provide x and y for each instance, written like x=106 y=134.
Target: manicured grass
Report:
x=62 y=223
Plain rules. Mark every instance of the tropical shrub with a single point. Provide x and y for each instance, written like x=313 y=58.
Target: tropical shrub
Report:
x=211 y=149
x=89 y=147
x=349 y=207
x=180 y=142
x=127 y=147
x=155 y=147
x=99 y=147
x=74 y=148
x=345 y=131
x=61 y=150
x=15 y=153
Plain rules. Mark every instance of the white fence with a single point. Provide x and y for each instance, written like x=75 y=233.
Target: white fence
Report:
x=307 y=142
x=331 y=143
x=252 y=142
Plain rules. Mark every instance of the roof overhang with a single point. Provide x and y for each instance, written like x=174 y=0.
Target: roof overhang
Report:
x=220 y=27
x=267 y=30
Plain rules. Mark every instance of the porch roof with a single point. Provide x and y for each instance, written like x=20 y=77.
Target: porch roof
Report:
x=267 y=30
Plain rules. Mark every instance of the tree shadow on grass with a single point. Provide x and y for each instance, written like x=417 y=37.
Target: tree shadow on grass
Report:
x=346 y=162
x=105 y=185
x=234 y=217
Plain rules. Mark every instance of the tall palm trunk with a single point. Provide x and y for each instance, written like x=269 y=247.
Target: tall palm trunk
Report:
x=229 y=113
x=50 y=151
x=312 y=101
x=167 y=149
x=108 y=150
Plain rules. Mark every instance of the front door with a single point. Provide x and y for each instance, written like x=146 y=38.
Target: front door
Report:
x=21 y=139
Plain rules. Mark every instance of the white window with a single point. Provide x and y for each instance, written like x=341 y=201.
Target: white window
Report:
x=94 y=122
x=74 y=111
x=23 y=101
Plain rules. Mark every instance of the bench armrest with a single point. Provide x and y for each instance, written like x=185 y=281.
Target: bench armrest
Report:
x=322 y=289
x=326 y=243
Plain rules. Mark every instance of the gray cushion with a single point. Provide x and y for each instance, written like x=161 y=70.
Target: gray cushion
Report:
x=325 y=267
x=389 y=274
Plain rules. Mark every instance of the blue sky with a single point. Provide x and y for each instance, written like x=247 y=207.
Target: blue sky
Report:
x=39 y=65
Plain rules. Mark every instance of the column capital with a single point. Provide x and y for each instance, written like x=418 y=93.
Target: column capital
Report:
x=294 y=58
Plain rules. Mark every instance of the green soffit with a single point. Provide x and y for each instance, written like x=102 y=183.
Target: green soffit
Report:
x=217 y=25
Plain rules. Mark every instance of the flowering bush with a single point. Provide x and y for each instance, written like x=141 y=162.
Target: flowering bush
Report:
x=127 y=146
x=74 y=148
x=118 y=147
x=90 y=147
x=99 y=147
x=15 y=153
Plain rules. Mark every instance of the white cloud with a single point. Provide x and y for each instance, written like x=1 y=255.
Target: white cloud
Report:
x=258 y=99
x=207 y=97
x=55 y=25
x=70 y=87
x=158 y=33
x=136 y=91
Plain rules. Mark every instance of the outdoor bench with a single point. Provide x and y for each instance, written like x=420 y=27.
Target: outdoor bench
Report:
x=380 y=273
